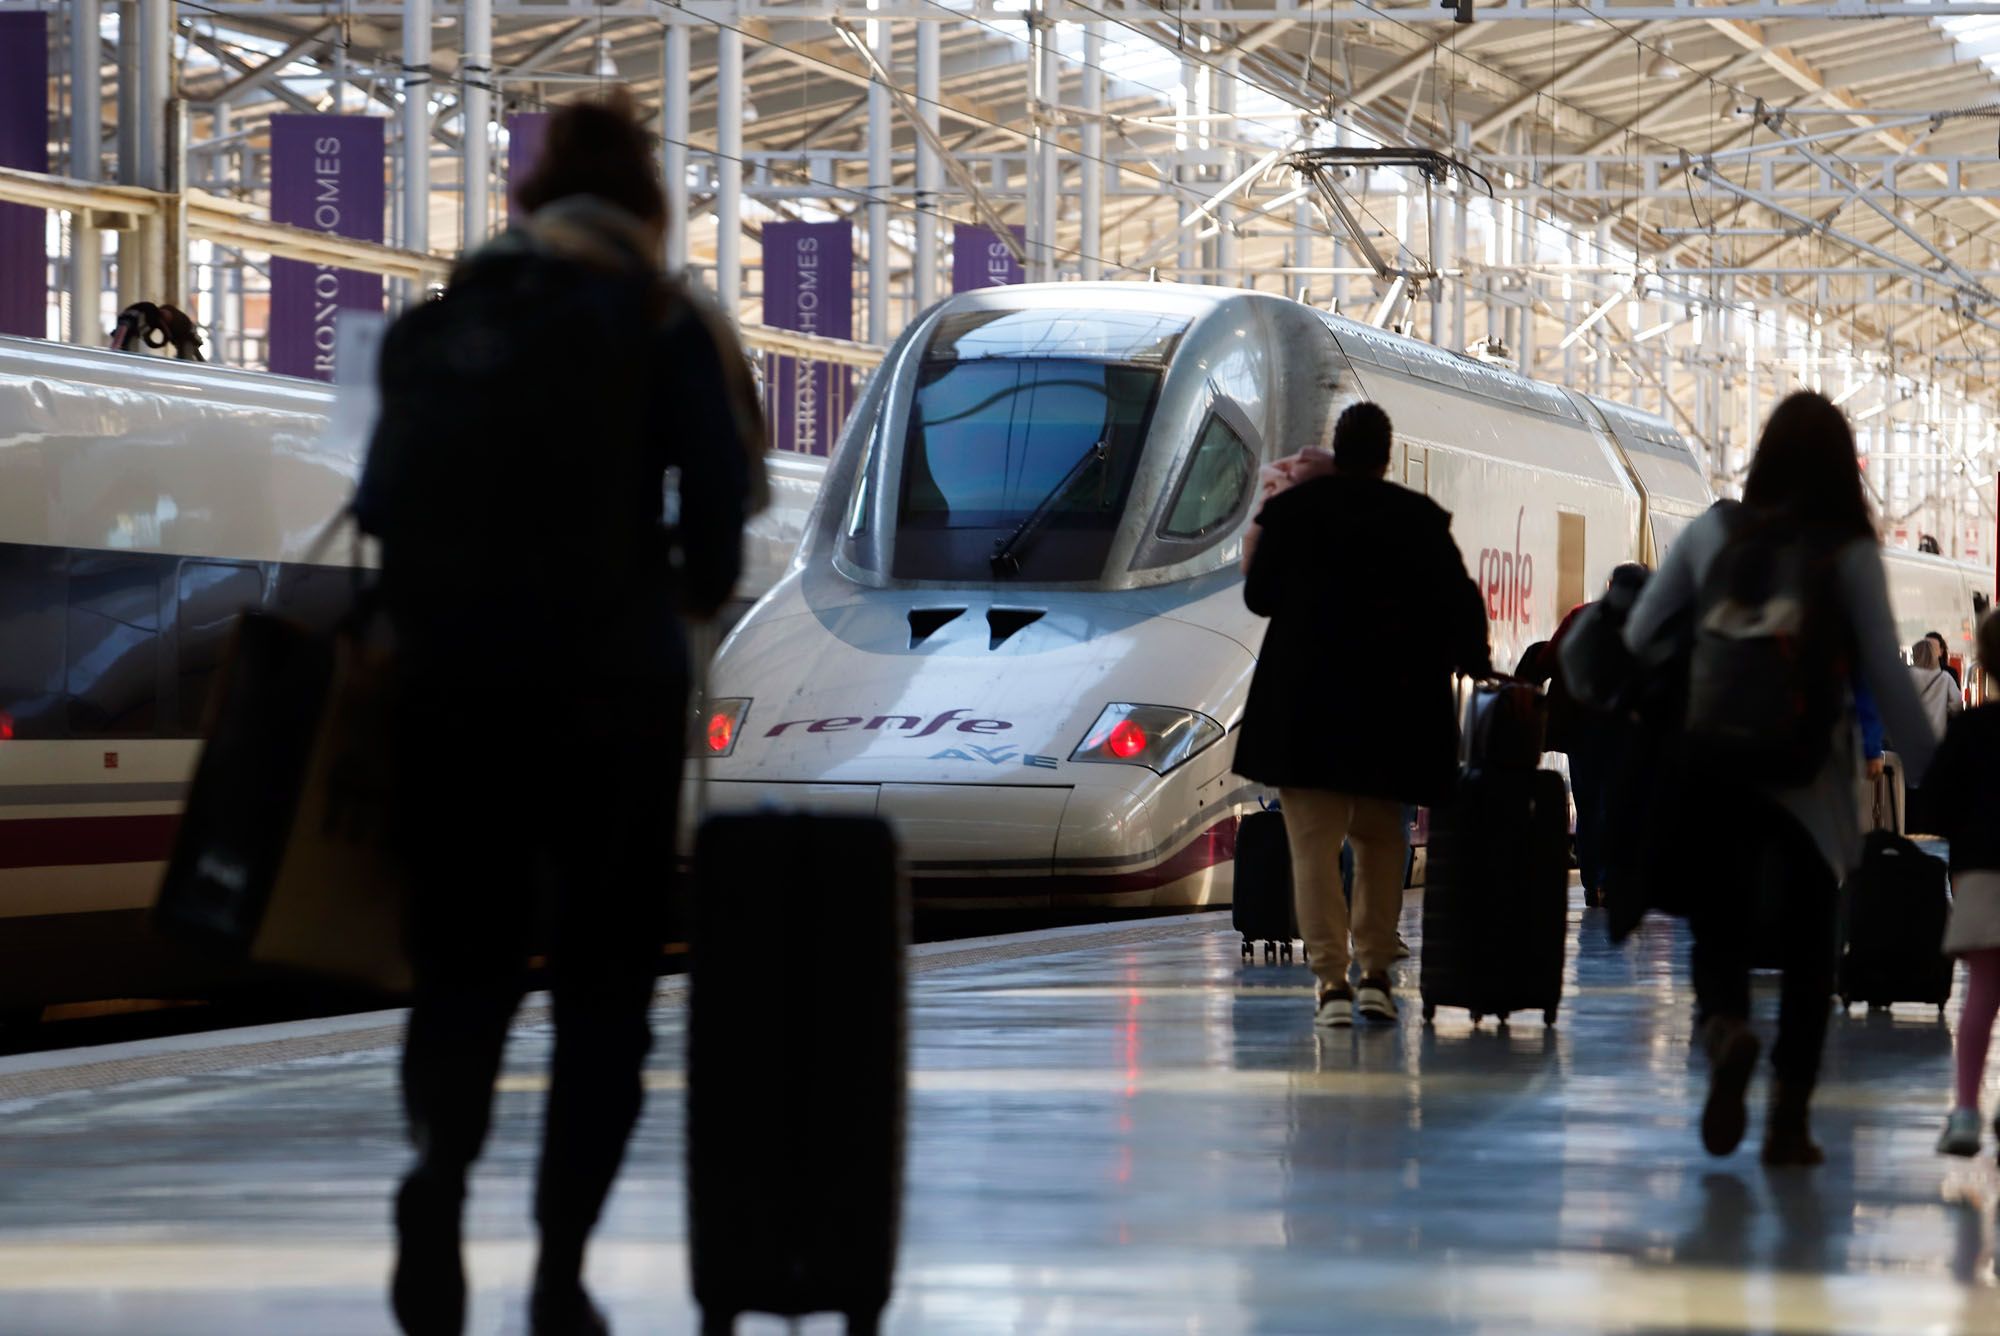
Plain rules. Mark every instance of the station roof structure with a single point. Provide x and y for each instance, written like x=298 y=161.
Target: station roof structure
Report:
x=1813 y=184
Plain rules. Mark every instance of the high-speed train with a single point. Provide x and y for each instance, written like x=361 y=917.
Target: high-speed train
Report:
x=143 y=503
x=1015 y=627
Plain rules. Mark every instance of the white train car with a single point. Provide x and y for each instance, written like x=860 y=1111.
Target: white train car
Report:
x=143 y=503
x=1029 y=538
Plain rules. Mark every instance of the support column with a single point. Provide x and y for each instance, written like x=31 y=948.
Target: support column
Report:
x=675 y=64
x=880 y=179
x=416 y=86
x=729 y=170
x=1226 y=248
x=1337 y=253
x=1090 y=227
x=930 y=169
x=476 y=96
x=1440 y=203
x=1188 y=253
x=1302 y=249
x=1461 y=223
x=1048 y=199
x=86 y=126
x=144 y=72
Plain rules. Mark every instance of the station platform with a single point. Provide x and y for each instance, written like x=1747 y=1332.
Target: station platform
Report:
x=1118 y=1129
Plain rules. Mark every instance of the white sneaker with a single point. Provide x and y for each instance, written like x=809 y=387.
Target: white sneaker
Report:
x=1336 y=1008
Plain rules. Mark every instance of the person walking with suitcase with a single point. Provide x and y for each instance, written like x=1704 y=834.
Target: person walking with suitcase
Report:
x=1938 y=691
x=1965 y=784
x=1348 y=738
x=516 y=481
x=1786 y=597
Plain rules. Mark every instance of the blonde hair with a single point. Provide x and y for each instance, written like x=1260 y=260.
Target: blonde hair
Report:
x=1923 y=654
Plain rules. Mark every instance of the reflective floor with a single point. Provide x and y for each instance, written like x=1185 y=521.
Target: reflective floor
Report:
x=1144 y=1137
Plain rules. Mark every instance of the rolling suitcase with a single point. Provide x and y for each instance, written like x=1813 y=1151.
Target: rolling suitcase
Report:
x=1496 y=896
x=796 y=1067
x=1261 y=907
x=1898 y=902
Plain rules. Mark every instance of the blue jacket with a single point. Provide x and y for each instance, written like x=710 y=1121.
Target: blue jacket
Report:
x=1871 y=721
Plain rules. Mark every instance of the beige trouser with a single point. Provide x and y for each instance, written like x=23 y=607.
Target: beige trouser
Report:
x=1316 y=821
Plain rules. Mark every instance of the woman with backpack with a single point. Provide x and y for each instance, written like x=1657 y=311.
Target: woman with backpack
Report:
x=1771 y=607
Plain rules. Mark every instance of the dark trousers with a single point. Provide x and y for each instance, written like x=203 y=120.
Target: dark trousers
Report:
x=1780 y=904
x=1588 y=784
x=530 y=844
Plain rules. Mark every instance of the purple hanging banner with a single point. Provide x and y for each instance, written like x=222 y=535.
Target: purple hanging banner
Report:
x=24 y=142
x=980 y=259
x=808 y=287
x=326 y=174
x=526 y=133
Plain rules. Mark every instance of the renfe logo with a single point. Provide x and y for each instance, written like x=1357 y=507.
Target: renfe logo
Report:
x=841 y=723
x=1507 y=579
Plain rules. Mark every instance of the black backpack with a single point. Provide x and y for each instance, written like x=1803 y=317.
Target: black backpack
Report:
x=1767 y=673
x=510 y=462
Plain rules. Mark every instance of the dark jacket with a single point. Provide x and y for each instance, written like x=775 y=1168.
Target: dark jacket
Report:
x=516 y=476
x=1371 y=610
x=1963 y=789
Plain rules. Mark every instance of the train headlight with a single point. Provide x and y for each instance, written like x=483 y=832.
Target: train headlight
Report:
x=1158 y=737
x=719 y=724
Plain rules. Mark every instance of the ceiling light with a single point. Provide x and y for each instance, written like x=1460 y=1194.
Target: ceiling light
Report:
x=1908 y=214
x=749 y=111
x=606 y=67
x=1949 y=240
x=1663 y=66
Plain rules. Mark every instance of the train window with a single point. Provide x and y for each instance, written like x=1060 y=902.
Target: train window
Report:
x=994 y=442
x=112 y=675
x=1569 y=562
x=212 y=593
x=31 y=630
x=1216 y=481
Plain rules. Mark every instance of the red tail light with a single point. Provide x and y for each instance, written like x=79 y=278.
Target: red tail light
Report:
x=6 y=726
x=721 y=730
x=1126 y=741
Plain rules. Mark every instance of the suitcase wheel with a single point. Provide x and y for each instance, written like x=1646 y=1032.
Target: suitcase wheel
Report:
x=1285 y=952
x=1430 y=1012
x=1270 y=952
x=1249 y=952
x=1549 y=1018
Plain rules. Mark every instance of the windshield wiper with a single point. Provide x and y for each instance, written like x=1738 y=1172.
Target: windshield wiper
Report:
x=1005 y=560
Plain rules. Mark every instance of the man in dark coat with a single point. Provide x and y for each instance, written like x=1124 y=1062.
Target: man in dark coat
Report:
x=1342 y=563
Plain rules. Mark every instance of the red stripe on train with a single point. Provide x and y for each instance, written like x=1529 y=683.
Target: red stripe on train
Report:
x=72 y=841
x=1215 y=845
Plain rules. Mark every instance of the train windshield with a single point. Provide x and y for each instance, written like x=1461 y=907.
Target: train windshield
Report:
x=1025 y=431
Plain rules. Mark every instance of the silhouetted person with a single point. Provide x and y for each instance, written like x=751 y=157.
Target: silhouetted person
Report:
x=1347 y=735
x=1793 y=840
x=516 y=478
x=1590 y=739
x=1944 y=657
x=1937 y=692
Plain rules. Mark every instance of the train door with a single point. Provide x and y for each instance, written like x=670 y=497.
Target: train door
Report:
x=1570 y=550
x=1417 y=468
